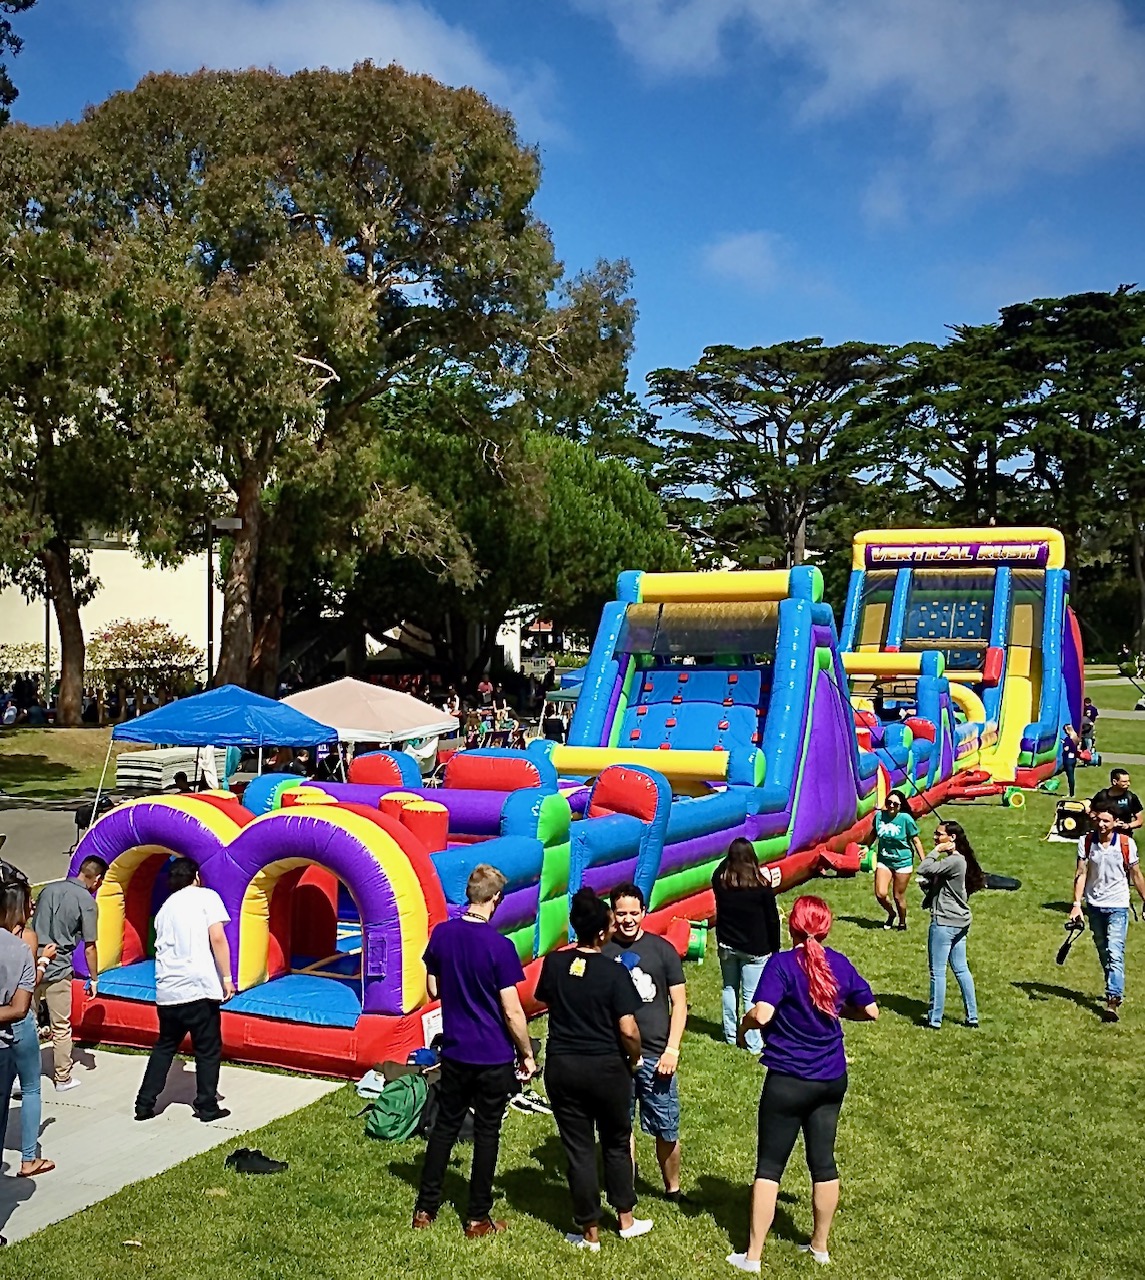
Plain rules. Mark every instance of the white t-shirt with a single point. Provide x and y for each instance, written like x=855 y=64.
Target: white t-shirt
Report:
x=184 y=963
x=1106 y=884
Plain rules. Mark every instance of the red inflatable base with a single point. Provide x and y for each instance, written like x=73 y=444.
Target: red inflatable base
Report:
x=345 y=1053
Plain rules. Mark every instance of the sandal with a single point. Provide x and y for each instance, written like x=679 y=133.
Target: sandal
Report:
x=38 y=1167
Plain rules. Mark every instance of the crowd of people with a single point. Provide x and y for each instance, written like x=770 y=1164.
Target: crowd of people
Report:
x=617 y=1006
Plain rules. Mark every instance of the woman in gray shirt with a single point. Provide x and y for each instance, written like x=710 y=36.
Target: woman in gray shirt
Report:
x=947 y=877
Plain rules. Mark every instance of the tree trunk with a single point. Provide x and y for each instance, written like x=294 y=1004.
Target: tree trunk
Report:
x=237 y=640
x=55 y=558
x=1137 y=559
x=266 y=650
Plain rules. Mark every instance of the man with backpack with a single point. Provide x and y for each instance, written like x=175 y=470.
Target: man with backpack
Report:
x=1106 y=863
x=474 y=970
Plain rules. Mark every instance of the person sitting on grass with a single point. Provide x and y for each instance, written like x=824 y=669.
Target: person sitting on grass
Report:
x=895 y=833
x=800 y=999
x=948 y=875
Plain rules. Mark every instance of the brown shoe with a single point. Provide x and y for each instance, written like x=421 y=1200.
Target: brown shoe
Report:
x=421 y=1219
x=484 y=1227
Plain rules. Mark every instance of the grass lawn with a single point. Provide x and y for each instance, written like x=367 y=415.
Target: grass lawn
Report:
x=1114 y=695
x=1013 y=1151
x=49 y=764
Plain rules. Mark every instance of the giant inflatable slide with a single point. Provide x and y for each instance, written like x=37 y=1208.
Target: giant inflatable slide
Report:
x=989 y=610
x=714 y=706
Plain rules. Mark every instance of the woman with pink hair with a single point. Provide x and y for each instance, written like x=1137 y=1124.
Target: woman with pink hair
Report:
x=800 y=998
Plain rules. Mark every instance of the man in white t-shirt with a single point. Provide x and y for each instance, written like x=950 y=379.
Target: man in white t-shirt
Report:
x=1106 y=863
x=192 y=979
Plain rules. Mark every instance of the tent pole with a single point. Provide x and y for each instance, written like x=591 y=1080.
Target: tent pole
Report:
x=102 y=776
x=260 y=762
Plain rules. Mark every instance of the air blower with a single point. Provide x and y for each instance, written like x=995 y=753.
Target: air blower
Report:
x=1071 y=821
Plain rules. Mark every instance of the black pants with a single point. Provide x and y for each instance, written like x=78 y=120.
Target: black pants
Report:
x=591 y=1096
x=487 y=1090
x=789 y=1104
x=201 y=1020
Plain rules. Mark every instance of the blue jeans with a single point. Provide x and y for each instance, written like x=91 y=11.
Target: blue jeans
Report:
x=1109 y=925
x=946 y=944
x=741 y=974
x=27 y=1052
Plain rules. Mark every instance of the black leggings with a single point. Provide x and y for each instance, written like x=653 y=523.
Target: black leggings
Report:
x=789 y=1104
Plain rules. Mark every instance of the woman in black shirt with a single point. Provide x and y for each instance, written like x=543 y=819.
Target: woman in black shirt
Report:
x=593 y=1048
x=747 y=931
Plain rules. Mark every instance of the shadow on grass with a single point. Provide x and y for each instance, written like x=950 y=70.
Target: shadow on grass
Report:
x=861 y=922
x=535 y=1193
x=904 y=1006
x=1047 y=991
x=728 y=1205
x=706 y=1027
x=1063 y=908
x=17 y=770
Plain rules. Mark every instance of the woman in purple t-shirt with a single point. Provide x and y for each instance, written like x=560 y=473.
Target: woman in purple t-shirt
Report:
x=799 y=1001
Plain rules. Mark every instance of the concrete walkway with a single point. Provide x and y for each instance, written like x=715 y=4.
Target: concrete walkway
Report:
x=98 y=1147
x=38 y=841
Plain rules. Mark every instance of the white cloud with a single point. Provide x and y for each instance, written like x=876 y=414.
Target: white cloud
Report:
x=999 y=88
x=174 y=35
x=753 y=260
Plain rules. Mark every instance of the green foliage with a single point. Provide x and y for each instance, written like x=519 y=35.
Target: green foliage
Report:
x=10 y=42
x=146 y=655
x=536 y=525
x=763 y=448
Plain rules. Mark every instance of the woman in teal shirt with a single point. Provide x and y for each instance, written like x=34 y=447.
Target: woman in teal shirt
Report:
x=896 y=835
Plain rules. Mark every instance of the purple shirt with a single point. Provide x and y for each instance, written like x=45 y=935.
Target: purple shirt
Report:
x=801 y=1041
x=473 y=964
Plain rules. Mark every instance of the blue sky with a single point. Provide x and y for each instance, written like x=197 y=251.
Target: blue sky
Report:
x=772 y=168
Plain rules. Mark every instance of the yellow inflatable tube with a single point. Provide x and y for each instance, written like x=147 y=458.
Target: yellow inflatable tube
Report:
x=886 y=664
x=682 y=766
x=722 y=587
x=968 y=702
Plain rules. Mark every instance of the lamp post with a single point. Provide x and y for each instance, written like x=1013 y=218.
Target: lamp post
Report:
x=216 y=524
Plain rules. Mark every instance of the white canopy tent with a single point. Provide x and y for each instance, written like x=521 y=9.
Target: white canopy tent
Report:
x=363 y=712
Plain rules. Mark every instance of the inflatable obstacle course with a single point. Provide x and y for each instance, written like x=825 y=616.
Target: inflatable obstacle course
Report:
x=714 y=706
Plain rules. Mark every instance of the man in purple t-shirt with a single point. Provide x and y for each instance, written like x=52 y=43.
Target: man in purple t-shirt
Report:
x=474 y=971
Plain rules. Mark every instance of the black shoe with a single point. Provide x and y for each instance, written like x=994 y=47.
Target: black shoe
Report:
x=145 y=1113
x=678 y=1197
x=246 y=1161
x=207 y=1114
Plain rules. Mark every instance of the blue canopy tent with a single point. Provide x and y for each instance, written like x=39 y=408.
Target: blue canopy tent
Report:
x=224 y=717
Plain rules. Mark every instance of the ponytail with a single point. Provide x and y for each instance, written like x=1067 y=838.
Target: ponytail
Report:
x=810 y=923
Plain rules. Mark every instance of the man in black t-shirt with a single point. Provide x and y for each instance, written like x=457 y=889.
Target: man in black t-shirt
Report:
x=658 y=976
x=1123 y=803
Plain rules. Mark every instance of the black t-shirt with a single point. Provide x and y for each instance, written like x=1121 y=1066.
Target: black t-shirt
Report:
x=1123 y=805
x=587 y=995
x=654 y=968
x=747 y=920
x=1069 y=746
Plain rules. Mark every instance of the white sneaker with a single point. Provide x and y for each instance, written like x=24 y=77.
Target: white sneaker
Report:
x=640 y=1227
x=742 y=1262
x=579 y=1242
x=821 y=1256
x=66 y=1085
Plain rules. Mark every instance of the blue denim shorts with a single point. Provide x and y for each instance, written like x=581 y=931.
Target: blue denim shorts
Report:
x=659 y=1098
